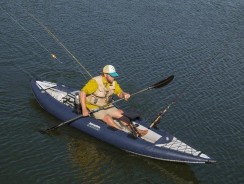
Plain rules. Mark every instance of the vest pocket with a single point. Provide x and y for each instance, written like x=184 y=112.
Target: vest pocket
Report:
x=93 y=100
x=97 y=101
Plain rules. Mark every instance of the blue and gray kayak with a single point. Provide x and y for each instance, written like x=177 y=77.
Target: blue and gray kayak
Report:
x=59 y=100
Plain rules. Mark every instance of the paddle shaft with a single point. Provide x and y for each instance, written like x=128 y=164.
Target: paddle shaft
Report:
x=64 y=123
x=132 y=95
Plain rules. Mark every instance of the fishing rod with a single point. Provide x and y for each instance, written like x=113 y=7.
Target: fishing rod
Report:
x=57 y=40
x=46 y=29
x=162 y=112
x=28 y=32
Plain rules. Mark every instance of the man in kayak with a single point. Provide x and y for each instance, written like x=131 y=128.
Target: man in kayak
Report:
x=97 y=93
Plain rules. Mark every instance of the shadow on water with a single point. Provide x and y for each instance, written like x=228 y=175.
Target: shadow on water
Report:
x=92 y=156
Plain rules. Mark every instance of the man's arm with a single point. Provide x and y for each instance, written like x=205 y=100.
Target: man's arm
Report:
x=85 y=111
x=89 y=88
x=120 y=92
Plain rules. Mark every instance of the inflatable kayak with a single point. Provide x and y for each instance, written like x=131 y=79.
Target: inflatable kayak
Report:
x=60 y=101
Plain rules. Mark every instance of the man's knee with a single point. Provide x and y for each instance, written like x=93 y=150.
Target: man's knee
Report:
x=107 y=118
x=120 y=111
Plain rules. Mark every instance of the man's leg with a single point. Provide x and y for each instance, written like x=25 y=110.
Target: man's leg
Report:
x=109 y=121
x=118 y=114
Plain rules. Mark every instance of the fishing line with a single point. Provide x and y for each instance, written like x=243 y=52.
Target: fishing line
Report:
x=41 y=45
x=24 y=71
x=56 y=40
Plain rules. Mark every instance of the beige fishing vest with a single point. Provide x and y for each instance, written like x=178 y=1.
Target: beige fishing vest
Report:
x=102 y=96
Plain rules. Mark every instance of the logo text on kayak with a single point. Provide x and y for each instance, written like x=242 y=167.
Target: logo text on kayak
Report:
x=96 y=127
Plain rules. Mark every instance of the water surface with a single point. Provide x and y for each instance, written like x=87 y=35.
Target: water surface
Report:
x=201 y=43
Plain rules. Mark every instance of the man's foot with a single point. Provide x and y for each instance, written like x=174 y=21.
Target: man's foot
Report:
x=136 y=132
x=142 y=132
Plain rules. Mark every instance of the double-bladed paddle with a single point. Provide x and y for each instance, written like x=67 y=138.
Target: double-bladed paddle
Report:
x=156 y=85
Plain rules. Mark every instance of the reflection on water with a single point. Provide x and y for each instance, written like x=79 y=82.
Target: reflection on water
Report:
x=102 y=163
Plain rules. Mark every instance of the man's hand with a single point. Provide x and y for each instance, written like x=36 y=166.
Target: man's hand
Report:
x=85 y=113
x=126 y=96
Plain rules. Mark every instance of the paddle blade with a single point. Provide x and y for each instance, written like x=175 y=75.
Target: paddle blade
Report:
x=163 y=82
x=43 y=131
x=47 y=131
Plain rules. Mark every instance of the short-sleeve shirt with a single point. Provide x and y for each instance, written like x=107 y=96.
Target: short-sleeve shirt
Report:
x=92 y=86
